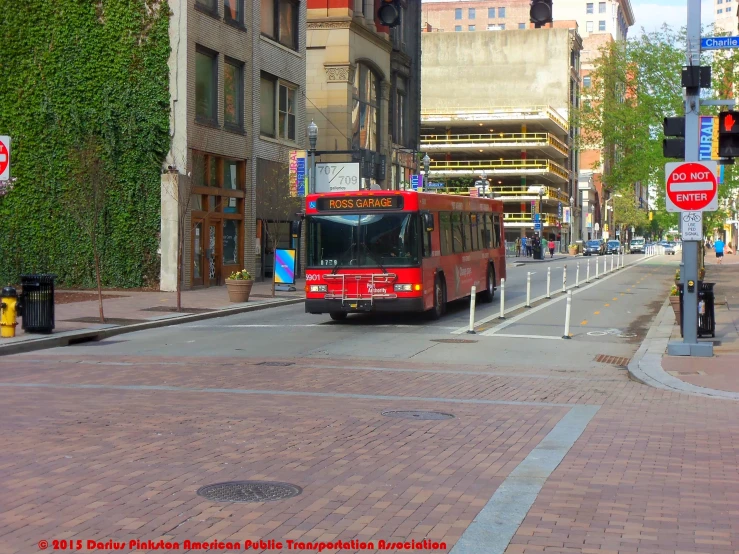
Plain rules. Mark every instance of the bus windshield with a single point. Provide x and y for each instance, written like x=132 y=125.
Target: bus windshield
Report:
x=373 y=240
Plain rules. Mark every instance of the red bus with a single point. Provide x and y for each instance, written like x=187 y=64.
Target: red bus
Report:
x=400 y=251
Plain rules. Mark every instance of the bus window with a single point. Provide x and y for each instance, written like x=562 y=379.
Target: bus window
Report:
x=457 y=233
x=426 y=239
x=480 y=231
x=496 y=223
x=473 y=232
x=467 y=232
x=445 y=232
x=489 y=238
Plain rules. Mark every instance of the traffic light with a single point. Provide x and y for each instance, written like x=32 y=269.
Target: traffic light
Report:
x=674 y=147
x=540 y=12
x=651 y=216
x=728 y=135
x=389 y=13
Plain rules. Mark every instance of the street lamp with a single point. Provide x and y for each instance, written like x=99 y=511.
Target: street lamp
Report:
x=542 y=192
x=312 y=139
x=426 y=163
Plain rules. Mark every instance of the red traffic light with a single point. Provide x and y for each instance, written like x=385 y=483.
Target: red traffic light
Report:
x=727 y=123
x=389 y=13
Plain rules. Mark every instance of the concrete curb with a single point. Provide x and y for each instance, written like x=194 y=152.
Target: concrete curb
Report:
x=646 y=365
x=66 y=338
x=545 y=260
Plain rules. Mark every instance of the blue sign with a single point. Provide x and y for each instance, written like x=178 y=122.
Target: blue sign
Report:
x=559 y=210
x=706 y=138
x=416 y=182
x=716 y=43
x=301 y=176
x=537 y=217
x=435 y=185
x=537 y=225
x=312 y=204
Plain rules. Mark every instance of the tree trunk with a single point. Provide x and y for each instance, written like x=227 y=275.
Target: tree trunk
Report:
x=100 y=287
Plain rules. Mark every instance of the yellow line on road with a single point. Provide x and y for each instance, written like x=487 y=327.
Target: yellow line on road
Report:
x=596 y=313
x=584 y=322
x=606 y=305
x=615 y=297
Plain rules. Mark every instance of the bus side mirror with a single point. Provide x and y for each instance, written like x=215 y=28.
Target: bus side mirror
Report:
x=428 y=221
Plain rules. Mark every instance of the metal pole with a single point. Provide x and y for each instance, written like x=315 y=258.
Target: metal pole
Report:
x=502 y=299
x=473 y=295
x=564 y=279
x=690 y=346
x=312 y=184
x=577 y=276
x=568 y=310
x=549 y=281
x=528 y=289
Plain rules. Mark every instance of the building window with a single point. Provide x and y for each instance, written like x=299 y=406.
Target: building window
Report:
x=720 y=11
x=470 y=27
x=278 y=103
x=601 y=25
x=728 y=9
x=233 y=94
x=501 y=13
x=400 y=109
x=207 y=5
x=280 y=21
x=522 y=25
x=471 y=13
x=458 y=13
x=491 y=13
x=492 y=27
x=586 y=81
x=206 y=85
x=457 y=28
x=601 y=7
x=589 y=7
x=501 y=26
x=365 y=116
x=233 y=11
x=589 y=27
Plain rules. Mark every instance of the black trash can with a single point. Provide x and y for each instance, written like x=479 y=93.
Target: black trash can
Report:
x=706 y=309
x=37 y=303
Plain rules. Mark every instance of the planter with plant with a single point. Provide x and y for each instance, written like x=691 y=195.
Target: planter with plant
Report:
x=239 y=286
x=574 y=249
x=677 y=276
x=675 y=301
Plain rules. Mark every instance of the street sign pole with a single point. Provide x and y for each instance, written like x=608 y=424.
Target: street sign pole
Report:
x=690 y=345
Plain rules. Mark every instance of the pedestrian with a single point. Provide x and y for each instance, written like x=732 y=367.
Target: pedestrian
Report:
x=518 y=247
x=718 y=246
x=551 y=249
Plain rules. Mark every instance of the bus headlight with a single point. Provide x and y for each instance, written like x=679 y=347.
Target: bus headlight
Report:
x=403 y=288
x=319 y=288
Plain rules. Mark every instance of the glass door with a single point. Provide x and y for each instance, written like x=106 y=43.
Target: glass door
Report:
x=215 y=243
x=197 y=254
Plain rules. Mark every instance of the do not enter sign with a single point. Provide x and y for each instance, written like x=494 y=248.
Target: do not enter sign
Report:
x=4 y=158
x=691 y=186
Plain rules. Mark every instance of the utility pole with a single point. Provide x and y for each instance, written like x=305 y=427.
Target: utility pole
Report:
x=690 y=345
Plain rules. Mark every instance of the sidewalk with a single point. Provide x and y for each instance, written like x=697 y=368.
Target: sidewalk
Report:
x=530 y=260
x=77 y=312
x=717 y=376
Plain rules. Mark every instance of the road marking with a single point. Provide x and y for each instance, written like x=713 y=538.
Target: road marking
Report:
x=606 y=305
x=496 y=524
x=584 y=322
x=524 y=336
x=597 y=313
x=165 y=388
x=615 y=297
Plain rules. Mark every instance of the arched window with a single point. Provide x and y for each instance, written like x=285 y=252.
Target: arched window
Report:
x=365 y=116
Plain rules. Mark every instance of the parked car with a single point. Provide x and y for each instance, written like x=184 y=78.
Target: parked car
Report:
x=670 y=248
x=637 y=245
x=613 y=247
x=596 y=247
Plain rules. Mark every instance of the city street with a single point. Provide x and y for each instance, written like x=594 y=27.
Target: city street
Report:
x=538 y=443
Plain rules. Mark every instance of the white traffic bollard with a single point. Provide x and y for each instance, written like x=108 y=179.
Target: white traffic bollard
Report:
x=587 y=273
x=605 y=265
x=568 y=310
x=549 y=281
x=502 y=299
x=473 y=295
x=611 y=261
x=577 y=276
x=528 y=289
x=564 y=279
x=597 y=269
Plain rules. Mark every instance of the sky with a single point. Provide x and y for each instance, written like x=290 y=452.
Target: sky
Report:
x=651 y=14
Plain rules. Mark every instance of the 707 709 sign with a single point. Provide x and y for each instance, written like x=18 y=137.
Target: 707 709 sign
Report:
x=337 y=177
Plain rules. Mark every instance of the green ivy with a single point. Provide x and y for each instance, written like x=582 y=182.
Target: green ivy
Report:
x=74 y=69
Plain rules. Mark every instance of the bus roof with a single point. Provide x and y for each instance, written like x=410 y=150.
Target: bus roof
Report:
x=372 y=200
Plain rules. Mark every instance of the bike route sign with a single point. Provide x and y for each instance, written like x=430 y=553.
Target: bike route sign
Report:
x=692 y=225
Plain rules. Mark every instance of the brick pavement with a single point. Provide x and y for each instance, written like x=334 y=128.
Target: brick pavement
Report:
x=655 y=471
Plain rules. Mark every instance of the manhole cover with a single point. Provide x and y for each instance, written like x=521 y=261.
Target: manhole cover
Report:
x=276 y=364
x=454 y=341
x=249 y=491
x=415 y=414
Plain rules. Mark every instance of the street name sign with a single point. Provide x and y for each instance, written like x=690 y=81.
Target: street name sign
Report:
x=716 y=43
x=691 y=186
x=4 y=158
x=692 y=225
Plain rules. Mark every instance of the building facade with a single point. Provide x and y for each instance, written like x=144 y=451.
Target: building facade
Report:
x=495 y=109
x=223 y=51
x=363 y=88
x=726 y=13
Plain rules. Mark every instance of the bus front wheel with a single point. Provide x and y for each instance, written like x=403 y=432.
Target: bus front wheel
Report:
x=489 y=293
x=338 y=316
x=439 y=302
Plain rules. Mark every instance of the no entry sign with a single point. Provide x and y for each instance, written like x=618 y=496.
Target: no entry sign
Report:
x=691 y=186
x=4 y=158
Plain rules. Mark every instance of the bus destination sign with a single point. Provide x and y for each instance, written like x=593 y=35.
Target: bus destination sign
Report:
x=356 y=203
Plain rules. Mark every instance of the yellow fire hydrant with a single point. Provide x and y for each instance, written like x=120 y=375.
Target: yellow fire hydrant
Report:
x=8 y=312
